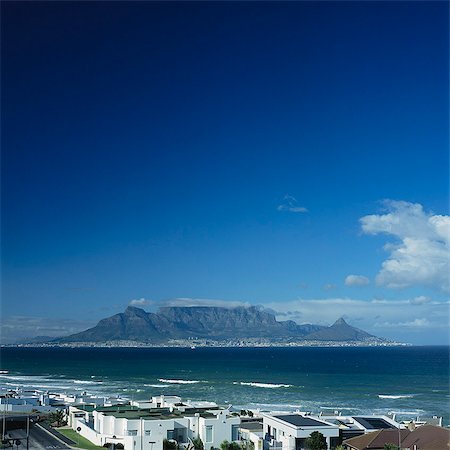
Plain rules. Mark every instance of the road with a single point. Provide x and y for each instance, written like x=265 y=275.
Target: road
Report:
x=39 y=440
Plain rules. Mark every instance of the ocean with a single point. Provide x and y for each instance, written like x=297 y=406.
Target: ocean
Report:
x=410 y=381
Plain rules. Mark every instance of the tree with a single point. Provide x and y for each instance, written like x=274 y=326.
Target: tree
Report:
x=169 y=445
x=57 y=418
x=198 y=443
x=390 y=447
x=316 y=441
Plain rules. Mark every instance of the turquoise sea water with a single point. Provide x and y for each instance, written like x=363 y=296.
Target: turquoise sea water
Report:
x=412 y=381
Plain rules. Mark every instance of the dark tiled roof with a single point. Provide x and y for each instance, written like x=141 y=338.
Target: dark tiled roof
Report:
x=376 y=439
x=300 y=421
x=428 y=437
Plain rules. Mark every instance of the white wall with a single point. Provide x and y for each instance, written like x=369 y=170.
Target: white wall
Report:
x=286 y=433
x=222 y=426
x=88 y=433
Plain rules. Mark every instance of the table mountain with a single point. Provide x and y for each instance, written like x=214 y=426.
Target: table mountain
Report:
x=208 y=322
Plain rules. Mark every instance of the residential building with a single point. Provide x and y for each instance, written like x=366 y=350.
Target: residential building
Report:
x=252 y=431
x=289 y=431
x=352 y=426
x=146 y=429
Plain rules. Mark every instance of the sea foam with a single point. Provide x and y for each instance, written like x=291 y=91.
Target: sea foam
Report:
x=395 y=397
x=263 y=385
x=164 y=380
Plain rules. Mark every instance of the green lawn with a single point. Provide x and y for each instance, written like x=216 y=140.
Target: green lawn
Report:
x=80 y=441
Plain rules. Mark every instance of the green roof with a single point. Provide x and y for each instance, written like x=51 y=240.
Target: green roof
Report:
x=133 y=412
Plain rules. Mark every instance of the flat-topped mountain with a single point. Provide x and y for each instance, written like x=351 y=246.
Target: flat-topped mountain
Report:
x=208 y=322
x=191 y=322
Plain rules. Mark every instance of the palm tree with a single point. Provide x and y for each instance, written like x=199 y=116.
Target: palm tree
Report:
x=58 y=417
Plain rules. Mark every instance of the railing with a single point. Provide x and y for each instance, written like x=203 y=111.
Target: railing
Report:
x=275 y=445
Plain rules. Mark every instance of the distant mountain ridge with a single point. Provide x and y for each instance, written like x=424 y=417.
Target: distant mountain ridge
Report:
x=209 y=322
x=340 y=331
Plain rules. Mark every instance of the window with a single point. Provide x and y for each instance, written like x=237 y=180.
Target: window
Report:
x=274 y=433
x=209 y=433
x=235 y=435
x=169 y=434
x=148 y=432
x=132 y=433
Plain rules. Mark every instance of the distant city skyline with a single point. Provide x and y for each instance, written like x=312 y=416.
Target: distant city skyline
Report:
x=292 y=155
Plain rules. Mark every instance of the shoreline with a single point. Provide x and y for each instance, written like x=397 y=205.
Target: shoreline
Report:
x=194 y=344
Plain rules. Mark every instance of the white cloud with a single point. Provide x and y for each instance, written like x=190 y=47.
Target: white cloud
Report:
x=356 y=280
x=420 y=300
x=376 y=316
x=290 y=204
x=329 y=287
x=186 y=301
x=420 y=256
x=416 y=323
x=141 y=302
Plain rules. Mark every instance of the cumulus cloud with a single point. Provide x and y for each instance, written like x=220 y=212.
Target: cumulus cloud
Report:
x=290 y=204
x=141 y=302
x=186 y=301
x=419 y=255
x=356 y=280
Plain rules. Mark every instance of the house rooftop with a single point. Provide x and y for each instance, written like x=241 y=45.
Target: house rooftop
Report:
x=376 y=439
x=374 y=423
x=144 y=414
x=132 y=412
x=91 y=408
x=428 y=437
x=301 y=421
x=252 y=426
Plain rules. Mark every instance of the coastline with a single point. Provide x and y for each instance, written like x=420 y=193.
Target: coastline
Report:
x=198 y=343
x=349 y=379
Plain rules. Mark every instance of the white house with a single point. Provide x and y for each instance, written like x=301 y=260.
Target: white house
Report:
x=289 y=431
x=252 y=431
x=146 y=429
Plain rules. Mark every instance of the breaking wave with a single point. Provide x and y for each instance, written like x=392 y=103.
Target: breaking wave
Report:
x=263 y=385
x=395 y=396
x=164 y=380
x=85 y=382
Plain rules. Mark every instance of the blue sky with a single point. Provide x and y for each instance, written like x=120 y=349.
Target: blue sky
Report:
x=226 y=153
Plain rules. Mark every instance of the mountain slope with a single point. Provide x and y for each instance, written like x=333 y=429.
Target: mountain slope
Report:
x=188 y=322
x=340 y=331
